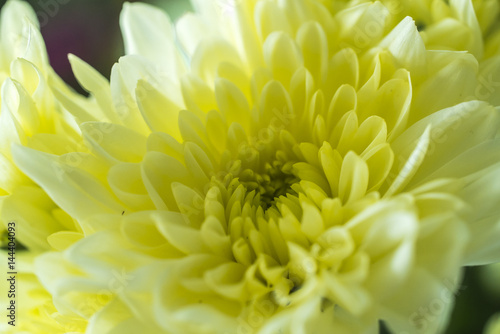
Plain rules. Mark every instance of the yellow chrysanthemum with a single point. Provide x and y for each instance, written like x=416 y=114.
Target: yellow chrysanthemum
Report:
x=281 y=167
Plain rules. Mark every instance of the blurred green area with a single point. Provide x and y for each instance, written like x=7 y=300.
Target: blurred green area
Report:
x=479 y=300
x=90 y=30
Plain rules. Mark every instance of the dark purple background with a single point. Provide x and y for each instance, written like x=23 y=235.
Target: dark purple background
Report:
x=86 y=28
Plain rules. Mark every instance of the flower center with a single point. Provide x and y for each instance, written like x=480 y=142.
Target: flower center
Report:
x=275 y=180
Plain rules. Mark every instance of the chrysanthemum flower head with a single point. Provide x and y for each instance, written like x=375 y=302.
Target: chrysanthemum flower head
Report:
x=287 y=166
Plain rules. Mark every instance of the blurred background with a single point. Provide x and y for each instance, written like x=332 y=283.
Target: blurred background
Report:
x=90 y=30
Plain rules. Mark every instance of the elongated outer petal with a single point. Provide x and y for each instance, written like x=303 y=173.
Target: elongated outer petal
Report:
x=483 y=197
x=190 y=30
x=30 y=208
x=147 y=31
x=125 y=77
x=159 y=112
x=117 y=318
x=409 y=310
x=10 y=178
x=465 y=12
x=478 y=120
x=96 y=84
x=20 y=35
x=410 y=158
x=114 y=142
x=406 y=45
x=74 y=190
x=10 y=126
x=282 y=56
x=451 y=80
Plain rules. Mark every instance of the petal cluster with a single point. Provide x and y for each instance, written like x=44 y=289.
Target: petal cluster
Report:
x=268 y=167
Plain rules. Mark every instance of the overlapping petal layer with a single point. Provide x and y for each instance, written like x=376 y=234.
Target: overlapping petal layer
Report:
x=284 y=166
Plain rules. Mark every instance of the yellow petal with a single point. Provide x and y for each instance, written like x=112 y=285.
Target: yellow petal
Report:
x=74 y=190
x=147 y=31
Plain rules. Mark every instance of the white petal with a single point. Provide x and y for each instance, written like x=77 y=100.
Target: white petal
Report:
x=20 y=35
x=74 y=190
x=191 y=30
x=406 y=45
x=147 y=31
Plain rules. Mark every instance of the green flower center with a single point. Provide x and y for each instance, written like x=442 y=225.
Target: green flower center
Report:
x=274 y=181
